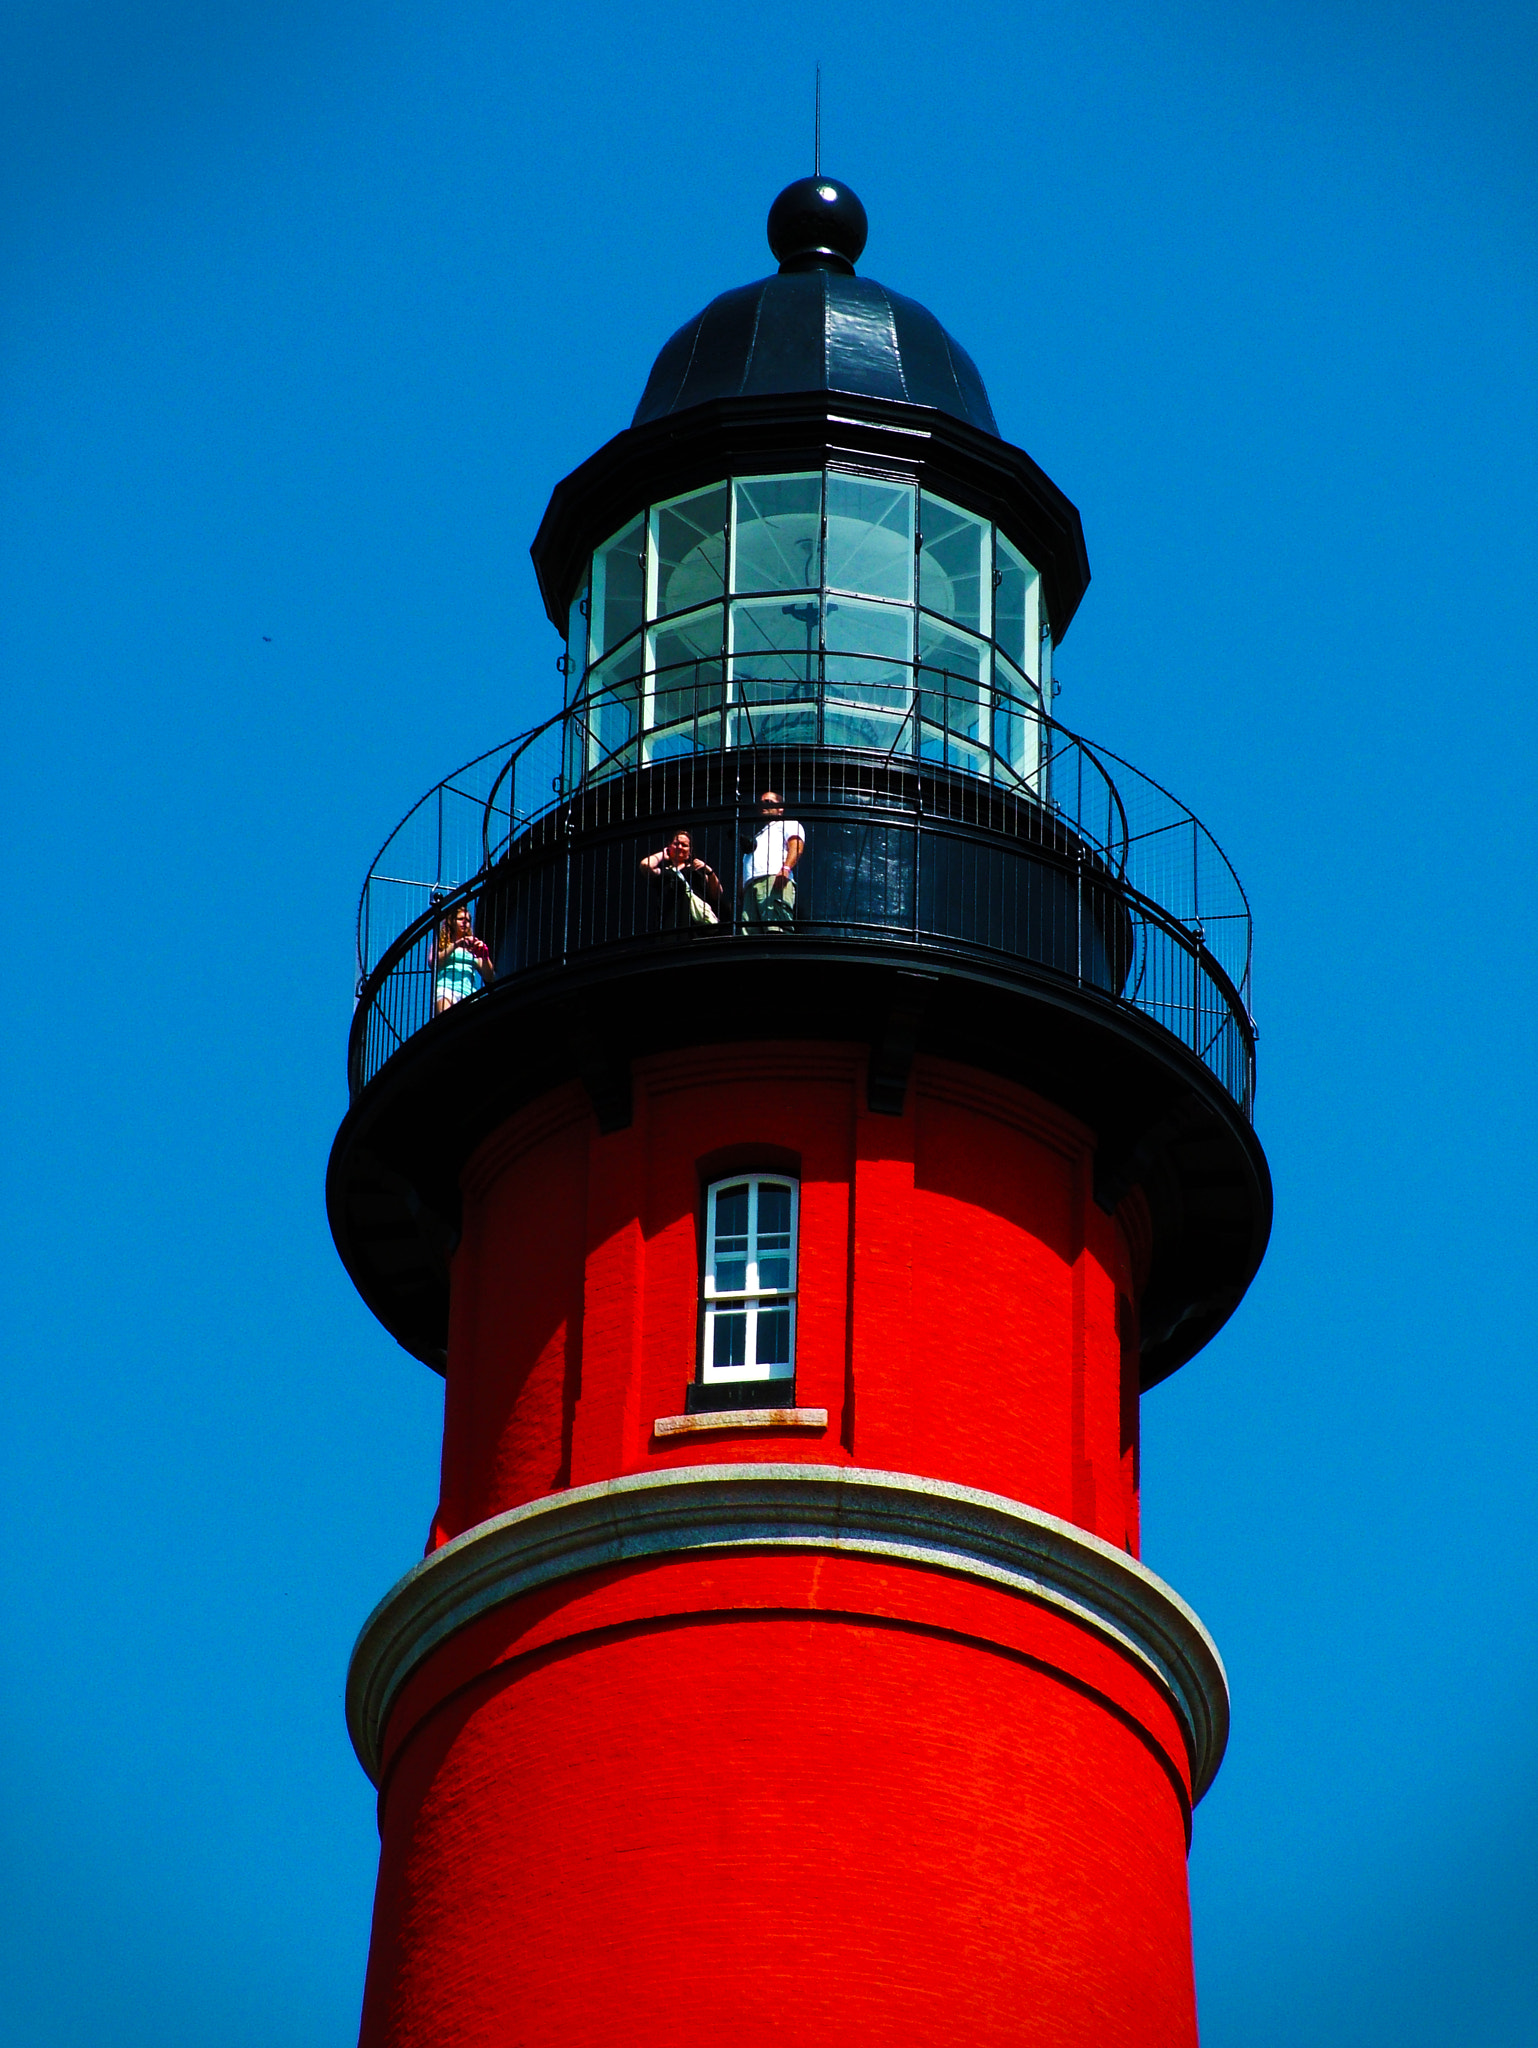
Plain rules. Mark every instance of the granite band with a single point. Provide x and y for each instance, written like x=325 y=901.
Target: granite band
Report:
x=850 y=1509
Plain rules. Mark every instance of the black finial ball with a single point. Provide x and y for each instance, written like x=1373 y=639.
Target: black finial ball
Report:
x=817 y=224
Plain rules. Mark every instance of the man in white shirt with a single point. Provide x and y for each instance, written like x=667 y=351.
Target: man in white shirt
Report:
x=768 y=868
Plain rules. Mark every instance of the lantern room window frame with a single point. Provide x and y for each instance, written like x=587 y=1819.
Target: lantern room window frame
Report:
x=823 y=606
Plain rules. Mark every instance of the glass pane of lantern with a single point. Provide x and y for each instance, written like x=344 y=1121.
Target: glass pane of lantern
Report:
x=1016 y=607
x=684 y=684
x=1017 y=735
x=870 y=537
x=689 y=551
x=777 y=542
x=953 y=697
x=774 y=671
x=775 y=641
x=617 y=588
x=868 y=665
x=868 y=643
x=614 y=711
x=954 y=577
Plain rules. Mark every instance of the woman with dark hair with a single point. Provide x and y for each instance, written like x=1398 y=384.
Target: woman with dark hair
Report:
x=461 y=961
x=691 y=888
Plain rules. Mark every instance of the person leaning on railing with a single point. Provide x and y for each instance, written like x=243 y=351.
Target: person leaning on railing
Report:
x=691 y=889
x=462 y=962
x=770 y=851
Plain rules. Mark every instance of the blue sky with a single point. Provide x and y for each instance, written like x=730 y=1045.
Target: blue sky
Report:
x=306 y=308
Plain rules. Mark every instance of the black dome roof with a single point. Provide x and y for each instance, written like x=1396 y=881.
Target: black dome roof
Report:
x=815 y=326
x=815 y=330
x=810 y=366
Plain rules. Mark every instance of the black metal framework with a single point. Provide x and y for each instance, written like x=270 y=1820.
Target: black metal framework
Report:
x=1039 y=865
x=754 y=436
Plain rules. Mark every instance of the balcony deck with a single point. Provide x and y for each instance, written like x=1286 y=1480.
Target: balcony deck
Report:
x=1079 y=866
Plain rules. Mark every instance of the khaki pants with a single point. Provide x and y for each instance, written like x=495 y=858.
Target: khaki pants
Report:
x=768 y=904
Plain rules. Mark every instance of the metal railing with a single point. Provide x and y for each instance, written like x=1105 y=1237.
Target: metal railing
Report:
x=979 y=827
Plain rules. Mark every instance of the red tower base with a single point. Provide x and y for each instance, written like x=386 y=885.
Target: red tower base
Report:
x=763 y=1754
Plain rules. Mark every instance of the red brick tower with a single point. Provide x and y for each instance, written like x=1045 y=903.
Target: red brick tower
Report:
x=801 y=1096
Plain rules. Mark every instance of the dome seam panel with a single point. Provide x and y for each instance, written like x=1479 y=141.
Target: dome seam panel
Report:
x=897 y=352
x=747 y=366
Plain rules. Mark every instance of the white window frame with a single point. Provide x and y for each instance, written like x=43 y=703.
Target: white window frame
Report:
x=751 y=1299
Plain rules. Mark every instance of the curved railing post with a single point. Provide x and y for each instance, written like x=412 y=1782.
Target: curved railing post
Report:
x=1078 y=922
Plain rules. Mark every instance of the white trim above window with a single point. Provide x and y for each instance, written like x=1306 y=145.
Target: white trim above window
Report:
x=748 y=1292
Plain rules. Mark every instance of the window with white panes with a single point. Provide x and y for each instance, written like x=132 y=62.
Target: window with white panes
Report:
x=749 y=1284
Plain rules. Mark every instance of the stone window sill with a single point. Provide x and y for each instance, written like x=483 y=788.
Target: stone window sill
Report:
x=741 y=1418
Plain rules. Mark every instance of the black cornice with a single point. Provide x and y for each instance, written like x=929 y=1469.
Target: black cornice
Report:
x=742 y=435
x=1162 y=1122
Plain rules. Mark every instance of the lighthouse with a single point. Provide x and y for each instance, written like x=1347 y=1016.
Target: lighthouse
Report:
x=801 y=1098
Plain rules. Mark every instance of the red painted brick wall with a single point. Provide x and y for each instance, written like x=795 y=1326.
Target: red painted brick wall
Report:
x=774 y=1798
x=959 y=1288
x=762 y=1825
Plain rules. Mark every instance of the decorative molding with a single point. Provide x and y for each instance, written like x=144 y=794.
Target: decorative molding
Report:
x=837 y=419
x=734 y=1066
x=740 y=1418
x=1005 y=1102
x=540 y=1120
x=849 y=1509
